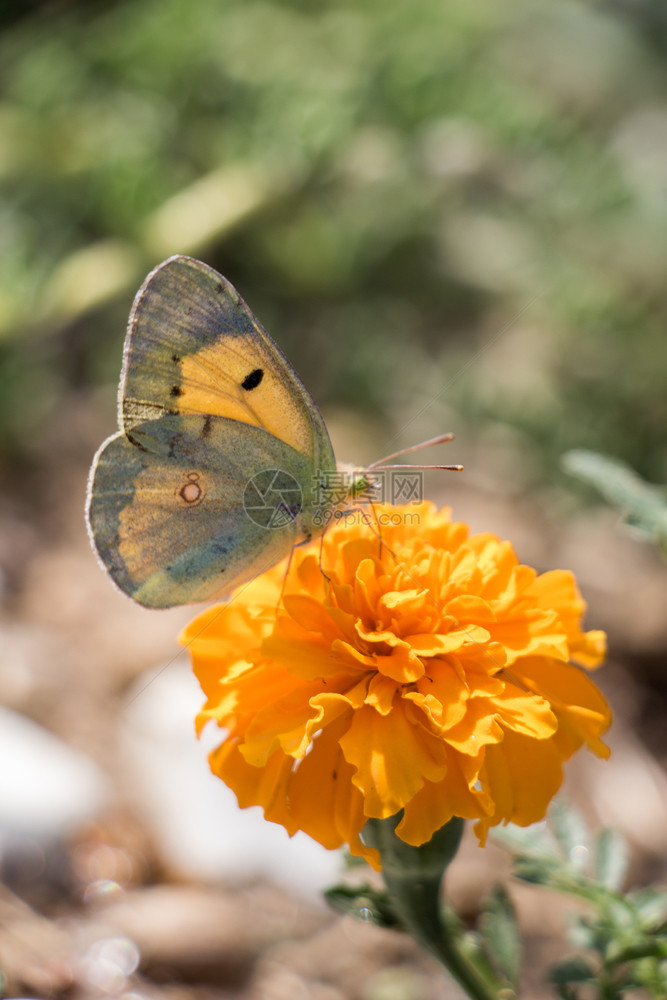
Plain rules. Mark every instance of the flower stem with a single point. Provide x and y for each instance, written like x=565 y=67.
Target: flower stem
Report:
x=413 y=876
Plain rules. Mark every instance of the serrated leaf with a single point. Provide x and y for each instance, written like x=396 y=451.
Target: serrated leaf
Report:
x=538 y=871
x=611 y=858
x=367 y=904
x=645 y=505
x=572 y=970
x=500 y=935
x=571 y=832
x=651 y=905
x=534 y=839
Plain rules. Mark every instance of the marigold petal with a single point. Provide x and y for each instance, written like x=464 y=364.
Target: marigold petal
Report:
x=310 y=615
x=221 y=635
x=483 y=673
x=323 y=800
x=438 y=802
x=589 y=649
x=407 y=602
x=478 y=727
x=429 y=644
x=282 y=722
x=557 y=589
x=307 y=661
x=442 y=695
x=497 y=562
x=263 y=786
x=367 y=590
x=391 y=758
x=522 y=776
x=347 y=655
x=579 y=704
x=525 y=713
x=352 y=695
x=378 y=637
x=316 y=796
x=308 y=577
x=346 y=622
x=538 y=633
x=401 y=665
x=469 y=608
x=381 y=693
x=253 y=691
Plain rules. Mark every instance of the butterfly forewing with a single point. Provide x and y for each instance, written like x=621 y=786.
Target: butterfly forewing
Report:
x=193 y=346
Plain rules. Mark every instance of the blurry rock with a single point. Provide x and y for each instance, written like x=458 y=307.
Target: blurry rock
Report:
x=34 y=952
x=33 y=666
x=346 y=957
x=180 y=933
x=193 y=816
x=47 y=792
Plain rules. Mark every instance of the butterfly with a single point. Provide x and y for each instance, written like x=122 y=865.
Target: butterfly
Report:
x=222 y=462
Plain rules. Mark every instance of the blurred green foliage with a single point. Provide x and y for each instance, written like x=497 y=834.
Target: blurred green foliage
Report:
x=432 y=206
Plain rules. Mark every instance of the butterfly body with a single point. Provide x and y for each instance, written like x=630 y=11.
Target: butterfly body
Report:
x=221 y=461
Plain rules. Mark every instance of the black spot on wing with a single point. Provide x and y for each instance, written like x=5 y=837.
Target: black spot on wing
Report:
x=176 y=359
x=206 y=426
x=252 y=380
x=176 y=390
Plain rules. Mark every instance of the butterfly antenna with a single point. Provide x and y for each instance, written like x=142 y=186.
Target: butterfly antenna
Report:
x=440 y=439
x=402 y=465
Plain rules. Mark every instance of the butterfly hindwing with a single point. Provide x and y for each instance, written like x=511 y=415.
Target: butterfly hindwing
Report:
x=186 y=508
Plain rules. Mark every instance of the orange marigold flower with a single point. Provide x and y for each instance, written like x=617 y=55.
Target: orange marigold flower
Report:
x=429 y=674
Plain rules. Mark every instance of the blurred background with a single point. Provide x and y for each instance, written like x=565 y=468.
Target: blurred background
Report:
x=451 y=217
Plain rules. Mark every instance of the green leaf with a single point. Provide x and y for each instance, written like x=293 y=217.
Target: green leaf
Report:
x=573 y=970
x=648 y=948
x=500 y=935
x=534 y=840
x=651 y=905
x=537 y=870
x=611 y=858
x=645 y=505
x=367 y=904
x=571 y=833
